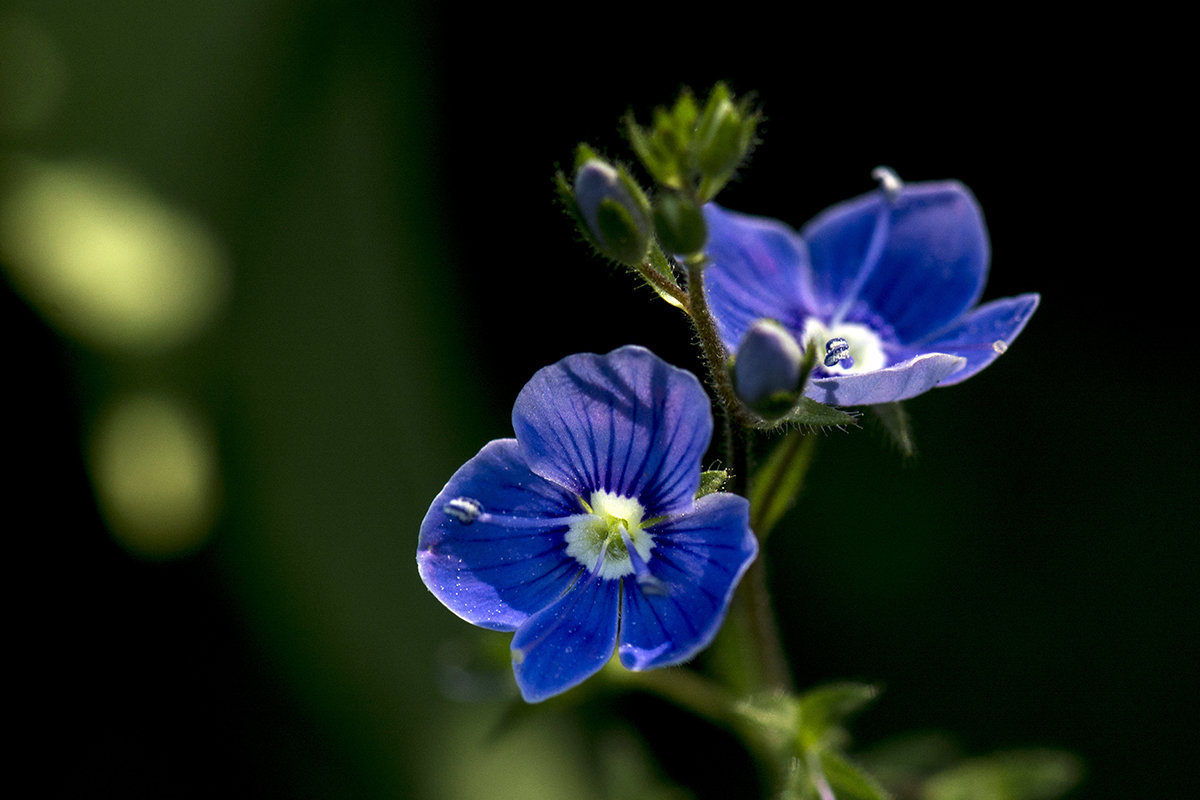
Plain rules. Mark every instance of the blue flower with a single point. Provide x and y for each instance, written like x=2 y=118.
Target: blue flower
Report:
x=895 y=273
x=583 y=534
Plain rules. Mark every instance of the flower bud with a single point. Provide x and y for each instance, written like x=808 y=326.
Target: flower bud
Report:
x=768 y=369
x=724 y=136
x=615 y=213
x=679 y=224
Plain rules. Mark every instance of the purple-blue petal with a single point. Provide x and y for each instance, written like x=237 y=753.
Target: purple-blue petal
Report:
x=698 y=559
x=568 y=641
x=932 y=266
x=898 y=382
x=627 y=423
x=983 y=334
x=757 y=269
x=498 y=569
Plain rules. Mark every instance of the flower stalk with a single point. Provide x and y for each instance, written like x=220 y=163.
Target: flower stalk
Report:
x=752 y=603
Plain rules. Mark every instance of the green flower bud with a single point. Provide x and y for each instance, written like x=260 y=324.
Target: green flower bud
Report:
x=769 y=369
x=614 y=211
x=724 y=136
x=679 y=224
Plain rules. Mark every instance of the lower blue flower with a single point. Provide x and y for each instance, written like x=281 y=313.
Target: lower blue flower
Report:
x=886 y=285
x=583 y=534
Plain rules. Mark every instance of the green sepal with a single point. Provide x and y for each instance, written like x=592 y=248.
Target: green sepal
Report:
x=823 y=711
x=626 y=240
x=724 y=137
x=1008 y=775
x=777 y=483
x=898 y=424
x=712 y=480
x=813 y=414
x=773 y=407
x=663 y=147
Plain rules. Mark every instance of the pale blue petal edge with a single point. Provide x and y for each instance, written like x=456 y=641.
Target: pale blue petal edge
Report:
x=984 y=334
x=931 y=267
x=899 y=382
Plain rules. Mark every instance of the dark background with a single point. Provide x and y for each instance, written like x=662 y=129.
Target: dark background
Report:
x=381 y=178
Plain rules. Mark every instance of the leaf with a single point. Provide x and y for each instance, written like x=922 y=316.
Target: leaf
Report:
x=1009 y=775
x=849 y=781
x=777 y=484
x=825 y=708
x=898 y=424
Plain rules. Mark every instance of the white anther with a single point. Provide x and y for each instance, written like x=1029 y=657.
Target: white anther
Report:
x=464 y=509
x=889 y=182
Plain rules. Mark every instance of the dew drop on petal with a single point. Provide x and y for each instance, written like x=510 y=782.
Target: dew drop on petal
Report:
x=999 y=345
x=464 y=509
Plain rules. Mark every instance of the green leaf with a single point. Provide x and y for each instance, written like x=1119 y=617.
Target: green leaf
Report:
x=1010 y=775
x=898 y=424
x=777 y=483
x=908 y=759
x=825 y=708
x=849 y=781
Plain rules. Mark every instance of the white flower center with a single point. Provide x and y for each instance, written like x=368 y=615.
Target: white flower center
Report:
x=865 y=346
x=597 y=540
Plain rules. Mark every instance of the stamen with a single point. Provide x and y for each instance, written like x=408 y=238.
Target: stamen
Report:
x=837 y=349
x=646 y=581
x=468 y=510
x=889 y=182
x=464 y=509
x=890 y=185
x=601 y=541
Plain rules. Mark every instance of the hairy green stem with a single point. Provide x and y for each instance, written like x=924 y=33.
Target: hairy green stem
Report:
x=715 y=357
x=753 y=595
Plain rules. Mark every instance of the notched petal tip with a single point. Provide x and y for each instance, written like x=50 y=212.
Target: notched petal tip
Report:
x=701 y=556
x=567 y=642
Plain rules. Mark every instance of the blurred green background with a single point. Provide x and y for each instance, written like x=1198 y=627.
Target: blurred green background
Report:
x=273 y=270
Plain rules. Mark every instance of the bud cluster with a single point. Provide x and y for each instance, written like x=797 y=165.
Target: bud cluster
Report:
x=690 y=152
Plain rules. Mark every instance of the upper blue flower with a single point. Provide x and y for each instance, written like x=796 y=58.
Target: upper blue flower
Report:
x=583 y=534
x=896 y=273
